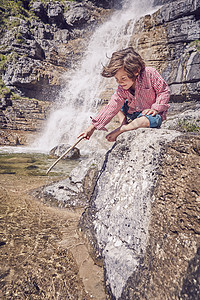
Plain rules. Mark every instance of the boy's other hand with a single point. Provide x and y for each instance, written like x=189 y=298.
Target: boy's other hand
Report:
x=150 y=111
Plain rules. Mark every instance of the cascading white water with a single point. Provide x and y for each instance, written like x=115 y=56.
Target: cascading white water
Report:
x=84 y=85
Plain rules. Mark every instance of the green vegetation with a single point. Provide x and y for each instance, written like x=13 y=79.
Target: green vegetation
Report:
x=3 y=90
x=3 y=60
x=10 y=57
x=196 y=43
x=9 y=9
x=188 y=126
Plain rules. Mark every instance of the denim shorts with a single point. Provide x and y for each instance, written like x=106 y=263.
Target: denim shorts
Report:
x=154 y=121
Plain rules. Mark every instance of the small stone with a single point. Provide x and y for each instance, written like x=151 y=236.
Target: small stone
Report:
x=61 y=149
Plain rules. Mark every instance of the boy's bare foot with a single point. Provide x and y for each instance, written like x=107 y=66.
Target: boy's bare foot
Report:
x=111 y=137
x=141 y=122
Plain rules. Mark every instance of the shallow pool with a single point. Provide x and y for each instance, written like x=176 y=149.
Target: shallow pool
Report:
x=34 y=164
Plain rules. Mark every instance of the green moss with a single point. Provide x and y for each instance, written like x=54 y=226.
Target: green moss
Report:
x=188 y=126
x=11 y=14
x=196 y=43
x=11 y=57
x=4 y=92
x=3 y=60
x=9 y=9
x=3 y=89
x=19 y=39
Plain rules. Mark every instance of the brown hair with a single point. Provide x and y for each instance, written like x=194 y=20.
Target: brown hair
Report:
x=128 y=59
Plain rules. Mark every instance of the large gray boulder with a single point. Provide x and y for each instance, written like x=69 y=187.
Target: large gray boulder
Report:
x=143 y=212
x=117 y=220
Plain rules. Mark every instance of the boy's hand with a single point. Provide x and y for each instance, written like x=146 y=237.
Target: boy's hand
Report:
x=88 y=132
x=150 y=111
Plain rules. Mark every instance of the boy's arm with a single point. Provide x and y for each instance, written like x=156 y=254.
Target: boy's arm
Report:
x=105 y=115
x=108 y=111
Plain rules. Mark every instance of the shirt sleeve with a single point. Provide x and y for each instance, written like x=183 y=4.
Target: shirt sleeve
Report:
x=109 y=111
x=162 y=93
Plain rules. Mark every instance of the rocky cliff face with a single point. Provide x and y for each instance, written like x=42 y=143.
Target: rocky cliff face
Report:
x=40 y=40
x=39 y=47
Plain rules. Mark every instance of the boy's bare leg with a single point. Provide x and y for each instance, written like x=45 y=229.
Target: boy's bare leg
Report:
x=141 y=122
x=122 y=118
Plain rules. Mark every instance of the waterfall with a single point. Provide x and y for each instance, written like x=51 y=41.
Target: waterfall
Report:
x=81 y=95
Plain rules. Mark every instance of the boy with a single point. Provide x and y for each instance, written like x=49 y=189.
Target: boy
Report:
x=142 y=96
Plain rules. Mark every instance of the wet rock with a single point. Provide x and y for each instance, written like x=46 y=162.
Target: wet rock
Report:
x=116 y=222
x=141 y=209
x=30 y=78
x=11 y=138
x=173 y=229
x=62 y=194
x=191 y=282
x=75 y=191
x=5 y=101
x=107 y=3
x=19 y=118
x=57 y=151
x=161 y=2
x=185 y=78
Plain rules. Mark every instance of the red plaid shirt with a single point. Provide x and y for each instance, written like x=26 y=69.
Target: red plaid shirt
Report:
x=151 y=91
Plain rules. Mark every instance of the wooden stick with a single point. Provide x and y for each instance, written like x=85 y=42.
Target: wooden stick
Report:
x=68 y=150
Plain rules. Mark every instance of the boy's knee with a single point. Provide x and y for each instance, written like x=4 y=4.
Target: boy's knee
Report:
x=143 y=121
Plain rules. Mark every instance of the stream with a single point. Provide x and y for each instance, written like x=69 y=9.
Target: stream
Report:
x=43 y=256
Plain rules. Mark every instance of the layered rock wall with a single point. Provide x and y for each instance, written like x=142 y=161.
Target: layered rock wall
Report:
x=20 y=118
x=169 y=40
